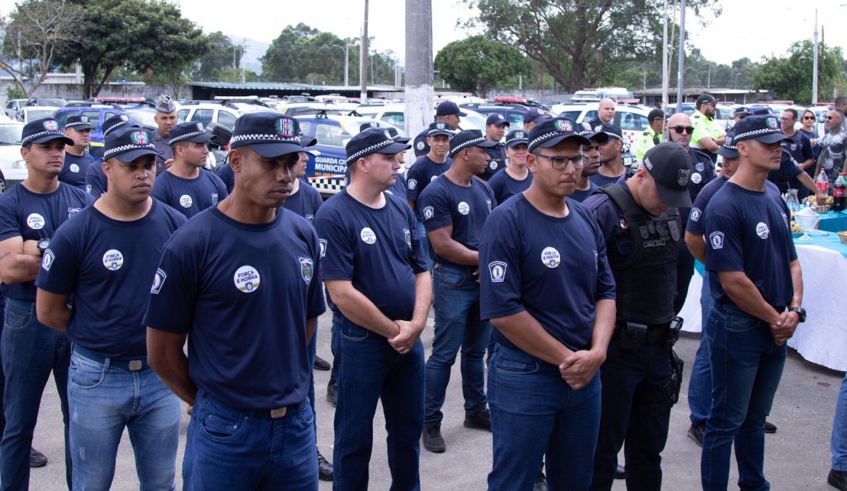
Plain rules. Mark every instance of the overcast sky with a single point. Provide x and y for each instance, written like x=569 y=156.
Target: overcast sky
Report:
x=751 y=28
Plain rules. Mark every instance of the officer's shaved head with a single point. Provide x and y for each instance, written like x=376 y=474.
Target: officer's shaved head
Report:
x=679 y=120
x=606 y=111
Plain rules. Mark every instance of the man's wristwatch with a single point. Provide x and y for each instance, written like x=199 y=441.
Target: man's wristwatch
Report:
x=42 y=245
x=801 y=312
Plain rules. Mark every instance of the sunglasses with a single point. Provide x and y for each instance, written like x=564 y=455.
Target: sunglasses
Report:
x=809 y=117
x=682 y=129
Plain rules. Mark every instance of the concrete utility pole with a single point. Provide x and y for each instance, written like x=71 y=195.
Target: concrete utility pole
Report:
x=419 y=69
x=681 y=65
x=363 y=64
x=665 y=73
x=815 y=70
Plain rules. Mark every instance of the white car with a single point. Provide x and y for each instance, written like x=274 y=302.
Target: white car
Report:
x=13 y=168
x=630 y=118
x=394 y=114
x=208 y=113
x=34 y=113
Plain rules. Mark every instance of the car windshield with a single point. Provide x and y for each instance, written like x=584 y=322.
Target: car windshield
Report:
x=35 y=113
x=11 y=134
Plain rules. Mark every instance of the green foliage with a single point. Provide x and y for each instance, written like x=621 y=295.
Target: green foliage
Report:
x=790 y=77
x=15 y=92
x=303 y=54
x=581 y=42
x=137 y=34
x=221 y=55
x=477 y=65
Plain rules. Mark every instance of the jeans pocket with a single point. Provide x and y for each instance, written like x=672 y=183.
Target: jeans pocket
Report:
x=740 y=323
x=450 y=279
x=220 y=426
x=516 y=367
x=305 y=415
x=17 y=318
x=352 y=332
x=84 y=375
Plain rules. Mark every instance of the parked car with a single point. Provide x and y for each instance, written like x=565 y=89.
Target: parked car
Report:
x=13 y=168
x=208 y=112
x=97 y=114
x=46 y=101
x=33 y=113
x=630 y=118
x=13 y=106
x=394 y=114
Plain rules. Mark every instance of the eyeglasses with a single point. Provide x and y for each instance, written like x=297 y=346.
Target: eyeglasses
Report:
x=809 y=117
x=561 y=163
x=680 y=129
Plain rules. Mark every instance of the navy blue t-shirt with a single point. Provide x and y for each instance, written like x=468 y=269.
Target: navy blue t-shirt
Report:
x=497 y=162
x=582 y=195
x=34 y=216
x=108 y=266
x=399 y=188
x=189 y=196
x=787 y=169
x=305 y=202
x=378 y=250
x=702 y=174
x=748 y=231
x=75 y=169
x=243 y=293
x=419 y=144
x=506 y=186
x=526 y=255
x=695 y=217
x=96 y=182
x=600 y=180
x=227 y=176
x=421 y=174
x=446 y=204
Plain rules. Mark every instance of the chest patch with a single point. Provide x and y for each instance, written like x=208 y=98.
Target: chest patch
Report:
x=246 y=279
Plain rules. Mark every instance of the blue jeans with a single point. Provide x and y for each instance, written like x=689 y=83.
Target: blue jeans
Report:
x=457 y=325
x=241 y=451
x=31 y=351
x=535 y=414
x=372 y=371
x=425 y=247
x=104 y=400
x=746 y=368
x=700 y=384
x=838 y=443
x=633 y=383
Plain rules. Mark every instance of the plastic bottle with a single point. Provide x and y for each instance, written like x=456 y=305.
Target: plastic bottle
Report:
x=839 y=192
x=823 y=182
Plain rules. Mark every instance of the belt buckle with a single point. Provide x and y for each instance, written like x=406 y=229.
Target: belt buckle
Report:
x=279 y=412
x=135 y=365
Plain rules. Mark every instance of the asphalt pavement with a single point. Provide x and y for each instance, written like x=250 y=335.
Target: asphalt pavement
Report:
x=797 y=456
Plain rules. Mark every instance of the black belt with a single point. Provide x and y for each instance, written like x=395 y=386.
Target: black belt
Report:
x=656 y=333
x=457 y=267
x=131 y=365
x=280 y=412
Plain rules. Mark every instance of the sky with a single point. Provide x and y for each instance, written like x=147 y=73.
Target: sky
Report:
x=748 y=28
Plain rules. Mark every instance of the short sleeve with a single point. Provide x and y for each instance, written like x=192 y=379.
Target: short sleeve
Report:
x=695 y=216
x=724 y=241
x=336 y=246
x=500 y=275
x=606 y=287
x=174 y=288
x=414 y=177
x=219 y=184
x=807 y=151
x=700 y=130
x=434 y=206
x=417 y=257
x=93 y=185
x=9 y=225
x=316 y=305
x=787 y=166
x=60 y=264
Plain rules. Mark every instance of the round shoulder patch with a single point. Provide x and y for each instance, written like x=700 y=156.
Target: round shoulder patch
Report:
x=246 y=279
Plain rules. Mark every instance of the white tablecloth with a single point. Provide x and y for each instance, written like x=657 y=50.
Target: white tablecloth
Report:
x=822 y=339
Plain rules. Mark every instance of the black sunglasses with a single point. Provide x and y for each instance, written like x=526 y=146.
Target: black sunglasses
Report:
x=808 y=117
x=680 y=129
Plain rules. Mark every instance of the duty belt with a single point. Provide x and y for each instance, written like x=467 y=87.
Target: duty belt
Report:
x=655 y=333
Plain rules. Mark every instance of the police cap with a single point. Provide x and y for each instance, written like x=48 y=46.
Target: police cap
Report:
x=43 y=130
x=670 y=167
x=550 y=132
x=371 y=141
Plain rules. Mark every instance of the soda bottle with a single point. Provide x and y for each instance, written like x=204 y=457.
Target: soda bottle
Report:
x=839 y=192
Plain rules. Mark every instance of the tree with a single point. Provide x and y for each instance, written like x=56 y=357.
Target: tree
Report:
x=790 y=77
x=218 y=58
x=36 y=32
x=476 y=64
x=138 y=34
x=578 y=41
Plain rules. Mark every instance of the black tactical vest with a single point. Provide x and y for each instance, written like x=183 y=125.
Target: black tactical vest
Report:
x=643 y=260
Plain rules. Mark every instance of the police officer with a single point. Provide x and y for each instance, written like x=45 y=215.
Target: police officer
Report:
x=532 y=117
x=447 y=112
x=611 y=162
x=532 y=245
x=165 y=119
x=380 y=292
x=399 y=187
x=679 y=131
x=652 y=136
x=642 y=231
x=425 y=170
x=30 y=213
x=605 y=113
x=708 y=134
x=454 y=208
x=799 y=149
x=584 y=185
x=757 y=286
x=241 y=278
x=95 y=179
x=186 y=185
x=113 y=246
x=516 y=178
x=77 y=160
x=495 y=128
x=738 y=114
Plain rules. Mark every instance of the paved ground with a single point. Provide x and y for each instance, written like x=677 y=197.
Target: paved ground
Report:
x=797 y=455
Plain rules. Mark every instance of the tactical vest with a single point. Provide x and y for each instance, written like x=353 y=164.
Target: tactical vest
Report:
x=643 y=260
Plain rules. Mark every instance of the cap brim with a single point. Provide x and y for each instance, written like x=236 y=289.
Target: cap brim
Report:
x=438 y=132
x=517 y=142
x=308 y=142
x=674 y=199
x=201 y=138
x=274 y=150
x=727 y=153
x=770 y=138
x=131 y=155
x=402 y=139
x=79 y=127
x=48 y=138
x=558 y=139
x=395 y=148
x=460 y=113
x=486 y=144
x=600 y=137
